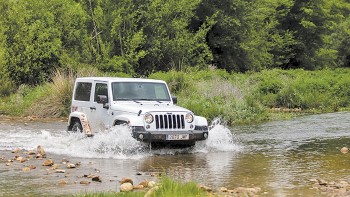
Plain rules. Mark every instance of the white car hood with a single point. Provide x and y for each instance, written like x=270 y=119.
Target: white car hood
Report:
x=133 y=107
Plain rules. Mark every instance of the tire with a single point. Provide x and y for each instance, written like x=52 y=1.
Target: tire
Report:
x=77 y=127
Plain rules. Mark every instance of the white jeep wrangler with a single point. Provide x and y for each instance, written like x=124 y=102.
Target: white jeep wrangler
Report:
x=144 y=105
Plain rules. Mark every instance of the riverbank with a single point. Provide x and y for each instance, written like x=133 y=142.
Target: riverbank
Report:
x=236 y=98
x=84 y=177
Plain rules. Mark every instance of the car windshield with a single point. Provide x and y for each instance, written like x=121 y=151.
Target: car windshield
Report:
x=140 y=91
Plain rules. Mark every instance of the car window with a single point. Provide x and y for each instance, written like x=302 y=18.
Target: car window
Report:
x=101 y=89
x=140 y=91
x=83 y=91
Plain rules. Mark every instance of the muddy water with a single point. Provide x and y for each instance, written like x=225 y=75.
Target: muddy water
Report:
x=279 y=157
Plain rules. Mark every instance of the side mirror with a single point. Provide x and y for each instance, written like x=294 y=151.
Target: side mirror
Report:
x=174 y=99
x=102 y=99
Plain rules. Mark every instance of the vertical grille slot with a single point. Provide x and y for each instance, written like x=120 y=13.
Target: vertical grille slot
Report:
x=170 y=121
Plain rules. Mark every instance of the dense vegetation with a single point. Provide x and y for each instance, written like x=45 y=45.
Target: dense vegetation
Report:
x=235 y=98
x=143 y=37
x=223 y=58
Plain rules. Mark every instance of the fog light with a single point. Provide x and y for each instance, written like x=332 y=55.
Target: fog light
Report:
x=191 y=126
x=205 y=135
x=141 y=136
x=148 y=126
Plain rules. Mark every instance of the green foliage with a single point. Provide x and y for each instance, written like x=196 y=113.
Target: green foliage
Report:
x=174 y=188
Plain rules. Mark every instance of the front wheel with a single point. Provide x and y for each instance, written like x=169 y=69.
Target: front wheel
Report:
x=77 y=127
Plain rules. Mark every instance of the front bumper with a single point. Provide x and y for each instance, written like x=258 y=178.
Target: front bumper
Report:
x=161 y=136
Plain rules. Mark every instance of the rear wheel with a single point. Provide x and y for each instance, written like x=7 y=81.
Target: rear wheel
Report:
x=77 y=127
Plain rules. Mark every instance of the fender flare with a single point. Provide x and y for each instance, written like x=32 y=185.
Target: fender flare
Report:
x=129 y=120
x=83 y=121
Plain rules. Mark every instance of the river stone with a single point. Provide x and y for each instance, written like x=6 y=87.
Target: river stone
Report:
x=96 y=178
x=32 y=167
x=344 y=150
x=223 y=189
x=84 y=182
x=144 y=183
x=48 y=162
x=31 y=152
x=205 y=188
x=126 y=180
x=126 y=187
x=62 y=182
x=19 y=158
x=60 y=171
x=55 y=166
x=40 y=150
x=70 y=165
x=139 y=186
x=26 y=169
x=16 y=150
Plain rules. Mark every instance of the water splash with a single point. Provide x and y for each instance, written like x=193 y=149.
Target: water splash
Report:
x=116 y=143
x=220 y=139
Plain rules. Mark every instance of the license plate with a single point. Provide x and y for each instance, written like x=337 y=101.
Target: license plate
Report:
x=178 y=137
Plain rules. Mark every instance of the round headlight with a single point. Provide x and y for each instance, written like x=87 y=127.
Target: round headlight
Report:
x=148 y=118
x=189 y=117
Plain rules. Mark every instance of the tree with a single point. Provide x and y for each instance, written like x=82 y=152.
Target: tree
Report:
x=170 y=43
x=305 y=20
x=38 y=34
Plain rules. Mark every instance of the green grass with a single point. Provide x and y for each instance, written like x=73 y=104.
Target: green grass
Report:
x=168 y=187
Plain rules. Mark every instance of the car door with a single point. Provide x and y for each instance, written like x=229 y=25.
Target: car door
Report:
x=99 y=111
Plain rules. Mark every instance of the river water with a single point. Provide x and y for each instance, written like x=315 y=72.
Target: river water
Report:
x=280 y=157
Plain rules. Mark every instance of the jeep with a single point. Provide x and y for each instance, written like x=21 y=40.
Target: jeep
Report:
x=145 y=106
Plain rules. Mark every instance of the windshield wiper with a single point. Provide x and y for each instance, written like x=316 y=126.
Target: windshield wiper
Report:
x=127 y=99
x=150 y=100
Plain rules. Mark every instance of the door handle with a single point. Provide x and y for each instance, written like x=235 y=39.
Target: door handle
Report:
x=93 y=108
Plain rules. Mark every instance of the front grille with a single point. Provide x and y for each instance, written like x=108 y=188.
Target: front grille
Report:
x=170 y=121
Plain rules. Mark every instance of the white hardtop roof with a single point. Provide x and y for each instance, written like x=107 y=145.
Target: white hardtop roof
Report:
x=118 y=79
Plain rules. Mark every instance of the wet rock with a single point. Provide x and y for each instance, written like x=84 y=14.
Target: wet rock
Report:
x=40 y=150
x=138 y=173
x=48 y=162
x=64 y=161
x=84 y=182
x=126 y=180
x=223 y=189
x=139 y=186
x=96 y=178
x=344 y=150
x=8 y=164
x=126 y=187
x=26 y=169
x=205 y=188
x=144 y=183
x=322 y=182
x=16 y=150
x=62 y=182
x=31 y=152
x=55 y=166
x=39 y=156
x=19 y=158
x=32 y=167
x=60 y=171
x=70 y=165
